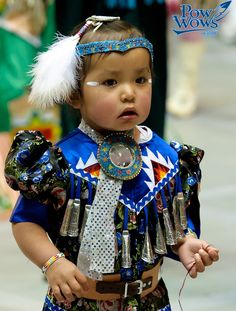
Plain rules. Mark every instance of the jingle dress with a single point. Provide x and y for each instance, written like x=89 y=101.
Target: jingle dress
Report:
x=144 y=203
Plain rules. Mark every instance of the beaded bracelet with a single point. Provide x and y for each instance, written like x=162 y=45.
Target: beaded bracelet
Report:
x=51 y=261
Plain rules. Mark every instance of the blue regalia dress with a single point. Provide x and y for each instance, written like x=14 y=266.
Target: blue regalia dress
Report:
x=145 y=210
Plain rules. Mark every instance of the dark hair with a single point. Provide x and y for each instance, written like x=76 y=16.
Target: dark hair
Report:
x=116 y=30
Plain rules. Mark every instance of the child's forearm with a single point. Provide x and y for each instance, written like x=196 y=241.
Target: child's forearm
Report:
x=34 y=242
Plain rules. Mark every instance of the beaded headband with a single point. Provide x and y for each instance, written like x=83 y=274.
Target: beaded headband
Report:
x=113 y=46
x=55 y=73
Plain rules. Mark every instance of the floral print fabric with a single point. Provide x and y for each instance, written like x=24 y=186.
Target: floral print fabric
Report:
x=156 y=301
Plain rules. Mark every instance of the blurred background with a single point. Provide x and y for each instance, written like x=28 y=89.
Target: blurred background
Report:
x=193 y=102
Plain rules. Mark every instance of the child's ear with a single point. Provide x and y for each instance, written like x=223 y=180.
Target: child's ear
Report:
x=75 y=100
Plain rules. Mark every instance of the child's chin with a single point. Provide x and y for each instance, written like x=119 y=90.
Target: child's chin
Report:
x=124 y=129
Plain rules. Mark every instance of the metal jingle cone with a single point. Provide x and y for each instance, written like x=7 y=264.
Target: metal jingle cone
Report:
x=170 y=234
x=73 y=230
x=182 y=212
x=85 y=218
x=126 y=259
x=160 y=247
x=66 y=218
x=178 y=229
x=147 y=252
x=116 y=245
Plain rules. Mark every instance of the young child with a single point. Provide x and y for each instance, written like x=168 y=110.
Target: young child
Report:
x=99 y=211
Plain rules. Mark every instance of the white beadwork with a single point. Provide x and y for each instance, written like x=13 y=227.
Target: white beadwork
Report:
x=95 y=136
x=97 y=250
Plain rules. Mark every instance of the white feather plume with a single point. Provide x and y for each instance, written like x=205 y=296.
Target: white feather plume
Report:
x=55 y=73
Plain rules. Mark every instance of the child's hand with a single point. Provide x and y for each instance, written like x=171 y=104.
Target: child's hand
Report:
x=66 y=280
x=198 y=252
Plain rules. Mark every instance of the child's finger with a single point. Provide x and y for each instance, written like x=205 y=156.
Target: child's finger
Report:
x=76 y=288
x=206 y=258
x=82 y=280
x=214 y=254
x=212 y=251
x=193 y=271
x=57 y=293
x=67 y=293
x=200 y=267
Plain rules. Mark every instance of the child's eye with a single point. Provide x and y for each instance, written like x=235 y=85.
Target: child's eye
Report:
x=110 y=82
x=141 y=80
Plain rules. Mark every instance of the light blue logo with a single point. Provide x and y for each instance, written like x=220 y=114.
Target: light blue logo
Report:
x=199 y=20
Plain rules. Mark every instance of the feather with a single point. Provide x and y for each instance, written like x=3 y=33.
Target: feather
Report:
x=55 y=73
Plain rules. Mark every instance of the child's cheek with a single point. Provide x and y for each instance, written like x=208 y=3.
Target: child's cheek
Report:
x=104 y=103
x=145 y=98
x=102 y=107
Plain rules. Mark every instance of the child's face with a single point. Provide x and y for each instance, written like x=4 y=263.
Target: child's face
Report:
x=120 y=96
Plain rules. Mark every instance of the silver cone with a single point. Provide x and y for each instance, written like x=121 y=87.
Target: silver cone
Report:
x=66 y=219
x=160 y=247
x=178 y=229
x=73 y=230
x=126 y=259
x=182 y=212
x=85 y=218
x=147 y=252
x=170 y=234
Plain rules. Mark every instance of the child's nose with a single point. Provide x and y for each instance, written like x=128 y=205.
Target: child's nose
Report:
x=128 y=93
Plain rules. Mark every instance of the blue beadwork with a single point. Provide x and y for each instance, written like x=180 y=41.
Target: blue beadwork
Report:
x=115 y=171
x=129 y=4
x=50 y=306
x=176 y=145
x=191 y=181
x=113 y=46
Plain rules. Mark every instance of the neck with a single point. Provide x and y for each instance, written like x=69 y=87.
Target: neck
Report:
x=99 y=136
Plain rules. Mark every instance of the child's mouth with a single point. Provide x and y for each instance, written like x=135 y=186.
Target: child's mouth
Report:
x=128 y=114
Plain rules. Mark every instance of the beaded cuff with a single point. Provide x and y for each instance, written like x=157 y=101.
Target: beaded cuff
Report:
x=113 y=46
x=51 y=261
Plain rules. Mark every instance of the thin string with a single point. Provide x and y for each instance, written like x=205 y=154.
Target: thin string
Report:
x=181 y=289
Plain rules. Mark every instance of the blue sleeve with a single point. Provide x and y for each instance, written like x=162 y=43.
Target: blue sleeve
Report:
x=192 y=227
x=30 y=211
